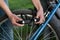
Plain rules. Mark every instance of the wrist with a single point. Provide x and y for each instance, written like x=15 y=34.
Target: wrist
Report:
x=9 y=14
x=40 y=8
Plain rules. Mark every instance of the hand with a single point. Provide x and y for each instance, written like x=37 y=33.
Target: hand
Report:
x=40 y=15
x=14 y=19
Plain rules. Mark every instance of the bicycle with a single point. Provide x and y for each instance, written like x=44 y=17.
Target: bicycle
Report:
x=36 y=33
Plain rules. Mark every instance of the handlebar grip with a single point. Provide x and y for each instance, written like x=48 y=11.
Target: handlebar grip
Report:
x=36 y=19
x=21 y=22
x=28 y=21
x=24 y=22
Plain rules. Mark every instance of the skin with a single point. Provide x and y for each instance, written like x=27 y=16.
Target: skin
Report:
x=10 y=15
x=40 y=12
x=14 y=18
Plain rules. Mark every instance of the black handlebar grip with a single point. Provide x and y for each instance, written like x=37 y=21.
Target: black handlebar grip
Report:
x=21 y=22
x=36 y=19
x=24 y=22
x=28 y=21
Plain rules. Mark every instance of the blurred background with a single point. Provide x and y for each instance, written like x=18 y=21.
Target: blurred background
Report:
x=20 y=4
x=20 y=33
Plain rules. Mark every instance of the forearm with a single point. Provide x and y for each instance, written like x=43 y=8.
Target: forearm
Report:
x=37 y=4
x=5 y=7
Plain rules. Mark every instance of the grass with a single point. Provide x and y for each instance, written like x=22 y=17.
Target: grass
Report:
x=20 y=4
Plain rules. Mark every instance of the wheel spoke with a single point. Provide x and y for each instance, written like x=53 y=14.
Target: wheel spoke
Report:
x=45 y=36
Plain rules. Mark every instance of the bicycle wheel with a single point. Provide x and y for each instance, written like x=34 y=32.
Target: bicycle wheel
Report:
x=48 y=34
x=24 y=33
x=55 y=23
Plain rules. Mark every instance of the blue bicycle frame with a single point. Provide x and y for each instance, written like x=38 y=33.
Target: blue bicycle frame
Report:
x=44 y=25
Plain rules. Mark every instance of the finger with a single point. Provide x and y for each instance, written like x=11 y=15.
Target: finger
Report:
x=17 y=24
x=41 y=21
x=38 y=21
x=37 y=16
x=19 y=18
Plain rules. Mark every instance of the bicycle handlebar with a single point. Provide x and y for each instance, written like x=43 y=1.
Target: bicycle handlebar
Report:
x=17 y=12
x=28 y=21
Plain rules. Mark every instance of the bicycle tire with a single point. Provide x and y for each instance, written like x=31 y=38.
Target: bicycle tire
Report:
x=32 y=27
x=55 y=23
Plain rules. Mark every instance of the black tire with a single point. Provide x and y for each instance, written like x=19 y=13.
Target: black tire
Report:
x=55 y=23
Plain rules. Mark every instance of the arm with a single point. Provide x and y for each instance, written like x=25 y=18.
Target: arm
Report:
x=5 y=7
x=40 y=12
x=11 y=16
x=37 y=4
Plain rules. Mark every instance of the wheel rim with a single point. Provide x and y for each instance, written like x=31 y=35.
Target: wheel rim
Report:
x=21 y=35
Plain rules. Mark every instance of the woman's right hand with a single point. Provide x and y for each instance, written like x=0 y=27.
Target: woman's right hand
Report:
x=11 y=16
x=14 y=19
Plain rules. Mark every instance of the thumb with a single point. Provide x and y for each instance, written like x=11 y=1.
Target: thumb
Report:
x=19 y=18
x=37 y=16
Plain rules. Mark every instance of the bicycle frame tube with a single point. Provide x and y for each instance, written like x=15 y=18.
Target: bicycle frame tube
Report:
x=43 y=26
x=58 y=1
